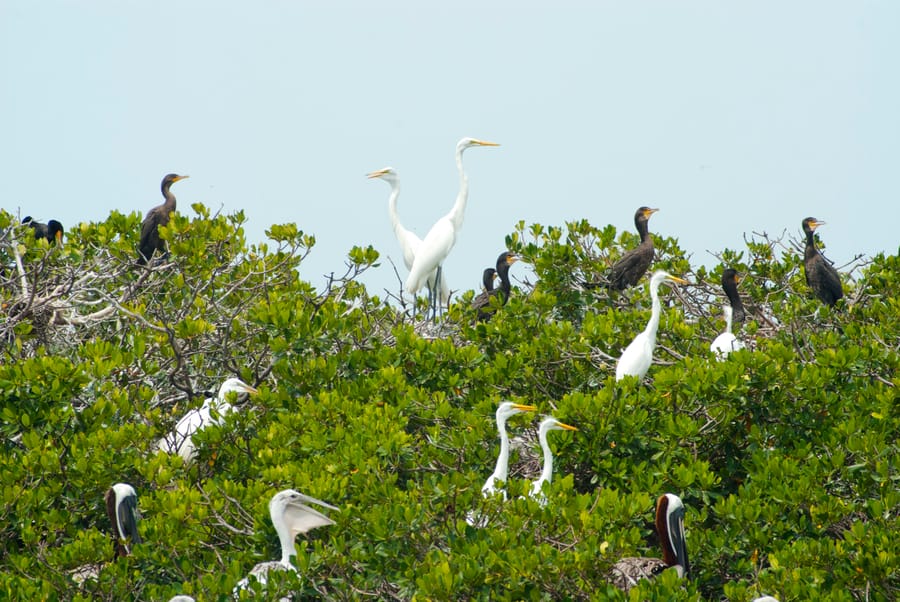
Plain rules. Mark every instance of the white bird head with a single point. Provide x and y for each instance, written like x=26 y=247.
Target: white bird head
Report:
x=469 y=142
x=388 y=174
x=121 y=506
x=660 y=276
x=552 y=424
x=670 y=527
x=508 y=409
x=235 y=385
x=292 y=510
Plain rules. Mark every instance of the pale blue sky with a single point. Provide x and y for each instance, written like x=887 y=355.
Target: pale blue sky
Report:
x=762 y=112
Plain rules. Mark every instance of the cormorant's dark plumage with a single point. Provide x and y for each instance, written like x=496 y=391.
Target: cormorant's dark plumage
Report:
x=156 y=217
x=730 y=281
x=633 y=264
x=52 y=230
x=487 y=279
x=483 y=301
x=821 y=276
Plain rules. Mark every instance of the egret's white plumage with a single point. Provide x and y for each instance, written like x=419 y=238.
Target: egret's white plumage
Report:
x=180 y=440
x=409 y=241
x=291 y=514
x=440 y=239
x=495 y=482
x=548 y=424
x=638 y=356
x=726 y=342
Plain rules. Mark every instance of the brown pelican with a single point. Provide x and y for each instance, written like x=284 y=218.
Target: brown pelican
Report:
x=156 y=217
x=121 y=507
x=291 y=514
x=638 y=356
x=52 y=231
x=821 y=276
x=548 y=424
x=180 y=440
x=627 y=572
x=726 y=342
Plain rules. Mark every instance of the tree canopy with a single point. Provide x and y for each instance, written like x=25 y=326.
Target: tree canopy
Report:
x=785 y=455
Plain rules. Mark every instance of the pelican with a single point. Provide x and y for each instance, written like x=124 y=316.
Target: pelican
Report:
x=627 y=572
x=548 y=424
x=726 y=342
x=638 y=356
x=121 y=507
x=291 y=514
x=180 y=441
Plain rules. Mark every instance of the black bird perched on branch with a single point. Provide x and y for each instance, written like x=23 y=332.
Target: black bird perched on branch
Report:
x=633 y=264
x=156 y=217
x=821 y=276
x=483 y=301
x=730 y=281
x=51 y=231
x=487 y=279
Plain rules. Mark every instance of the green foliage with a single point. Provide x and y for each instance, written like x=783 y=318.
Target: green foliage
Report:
x=786 y=454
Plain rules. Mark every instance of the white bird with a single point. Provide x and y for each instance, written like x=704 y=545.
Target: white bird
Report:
x=548 y=424
x=440 y=239
x=291 y=514
x=726 y=342
x=638 y=356
x=505 y=410
x=409 y=241
x=181 y=598
x=765 y=599
x=122 y=510
x=627 y=572
x=180 y=441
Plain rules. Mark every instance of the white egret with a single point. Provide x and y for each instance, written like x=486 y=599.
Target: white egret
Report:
x=409 y=241
x=158 y=216
x=291 y=514
x=627 y=572
x=637 y=357
x=548 y=424
x=483 y=301
x=180 y=441
x=122 y=510
x=821 y=276
x=440 y=239
x=505 y=410
x=726 y=342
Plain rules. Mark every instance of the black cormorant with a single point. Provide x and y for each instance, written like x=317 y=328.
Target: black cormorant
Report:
x=156 y=217
x=483 y=301
x=633 y=264
x=821 y=276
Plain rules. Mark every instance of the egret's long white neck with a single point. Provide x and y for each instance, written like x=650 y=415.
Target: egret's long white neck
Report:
x=728 y=314
x=502 y=469
x=459 y=207
x=547 y=472
x=392 y=208
x=653 y=324
x=286 y=539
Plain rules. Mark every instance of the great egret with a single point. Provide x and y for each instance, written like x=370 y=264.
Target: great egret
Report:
x=440 y=239
x=409 y=241
x=637 y=357
x=627 y=572
x=291 y=514
x=505 y=410
x=483 y=301
x=180 y=441
x=633 y=264
x=726 y=342
x=121 y=508
x=156 y=217
x=821 y=276
x=548 y=424
x=52 y=231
